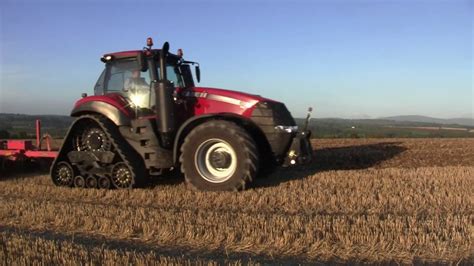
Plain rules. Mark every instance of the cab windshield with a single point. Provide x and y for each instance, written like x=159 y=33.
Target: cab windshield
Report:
x=125 y=77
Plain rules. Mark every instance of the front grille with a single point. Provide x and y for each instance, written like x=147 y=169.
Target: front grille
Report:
x=273 y=113
x=266 y=116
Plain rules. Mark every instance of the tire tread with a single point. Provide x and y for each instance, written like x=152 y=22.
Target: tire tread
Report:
x=248 y=144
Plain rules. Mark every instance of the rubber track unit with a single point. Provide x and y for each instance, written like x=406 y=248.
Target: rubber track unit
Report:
x=120 y=145
x=238 y=133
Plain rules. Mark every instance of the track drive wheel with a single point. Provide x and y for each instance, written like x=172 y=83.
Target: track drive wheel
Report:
x=219 y=155
x=63 y=174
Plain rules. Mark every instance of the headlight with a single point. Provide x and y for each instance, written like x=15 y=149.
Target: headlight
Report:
x=139 y=99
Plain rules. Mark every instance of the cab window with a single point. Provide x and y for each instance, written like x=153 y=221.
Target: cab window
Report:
x=125 y=77
x=99 y=85
x=173 y=75
x=122 y=73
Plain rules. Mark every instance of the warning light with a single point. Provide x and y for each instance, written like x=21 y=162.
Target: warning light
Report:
x=180 y=53
x=149 y=42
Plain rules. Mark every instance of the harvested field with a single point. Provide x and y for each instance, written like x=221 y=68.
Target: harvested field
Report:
x=368 y=200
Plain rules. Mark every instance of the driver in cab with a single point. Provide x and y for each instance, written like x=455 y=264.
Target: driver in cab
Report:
x=136 y=83
x=138 y=89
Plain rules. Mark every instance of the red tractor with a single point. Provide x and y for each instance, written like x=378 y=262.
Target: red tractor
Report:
x=147 y=117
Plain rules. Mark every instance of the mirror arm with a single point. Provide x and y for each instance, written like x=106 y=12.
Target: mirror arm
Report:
x=190 y=62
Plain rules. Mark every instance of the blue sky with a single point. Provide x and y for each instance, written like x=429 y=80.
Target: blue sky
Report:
x=347 y=59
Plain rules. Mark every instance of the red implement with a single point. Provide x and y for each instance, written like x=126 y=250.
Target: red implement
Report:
x=14 y=150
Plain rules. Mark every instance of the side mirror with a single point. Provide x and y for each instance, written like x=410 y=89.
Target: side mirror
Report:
x=198 y=73
x=141 y=61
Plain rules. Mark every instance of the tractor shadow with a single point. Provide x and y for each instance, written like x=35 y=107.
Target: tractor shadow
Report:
x=173 y=178
x=338 y=158
x=19 y=170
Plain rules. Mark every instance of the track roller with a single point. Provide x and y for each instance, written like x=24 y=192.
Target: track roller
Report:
x=91 y=182
x=104 y=182
x=79 y=181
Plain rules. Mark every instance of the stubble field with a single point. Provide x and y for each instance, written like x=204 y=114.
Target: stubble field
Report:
x=368 y=200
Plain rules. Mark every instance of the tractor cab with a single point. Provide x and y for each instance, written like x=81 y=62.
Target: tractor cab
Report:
x=131 y=74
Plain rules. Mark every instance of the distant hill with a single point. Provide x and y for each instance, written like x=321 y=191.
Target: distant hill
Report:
x=427 y=119
x=384 y=128
x=23 y=126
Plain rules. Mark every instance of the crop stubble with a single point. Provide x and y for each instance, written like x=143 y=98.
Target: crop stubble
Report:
x=361 y=200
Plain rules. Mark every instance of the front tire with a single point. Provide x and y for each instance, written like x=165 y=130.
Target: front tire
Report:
x=219 y=155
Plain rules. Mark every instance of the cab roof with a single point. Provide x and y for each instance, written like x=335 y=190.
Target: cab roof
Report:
x=134 y=53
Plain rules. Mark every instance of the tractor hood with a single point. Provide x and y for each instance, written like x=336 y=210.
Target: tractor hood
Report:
x=213 y=101
x=230 y=94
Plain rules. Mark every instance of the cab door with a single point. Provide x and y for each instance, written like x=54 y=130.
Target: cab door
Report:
x=125 y=77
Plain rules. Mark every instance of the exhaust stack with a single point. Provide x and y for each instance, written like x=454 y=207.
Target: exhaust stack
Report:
x=165 y=110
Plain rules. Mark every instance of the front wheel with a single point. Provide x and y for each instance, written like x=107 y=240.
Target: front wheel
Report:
x=219 y=155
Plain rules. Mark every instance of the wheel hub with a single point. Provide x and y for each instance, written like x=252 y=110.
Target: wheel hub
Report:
x=220 y=159
x=94 y=139
x=216 y=160
x=63 y=173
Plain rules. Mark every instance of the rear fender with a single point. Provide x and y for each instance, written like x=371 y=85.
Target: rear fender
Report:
x=103 y=108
